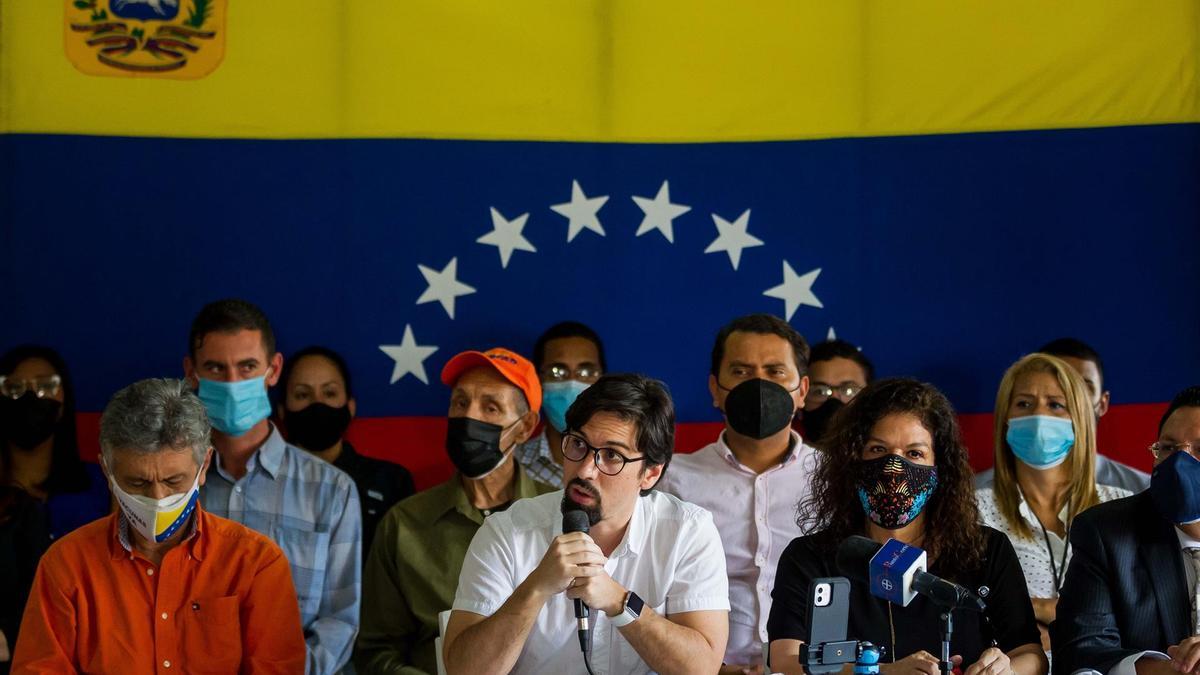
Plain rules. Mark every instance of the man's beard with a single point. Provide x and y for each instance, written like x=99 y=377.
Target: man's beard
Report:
x=595 y=511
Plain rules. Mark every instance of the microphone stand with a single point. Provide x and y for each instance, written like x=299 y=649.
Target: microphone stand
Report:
x=944 y=664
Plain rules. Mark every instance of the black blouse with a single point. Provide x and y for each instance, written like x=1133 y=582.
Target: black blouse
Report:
x=999 y=581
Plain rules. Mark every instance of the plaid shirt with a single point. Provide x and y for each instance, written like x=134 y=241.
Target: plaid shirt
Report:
x=311 y=510
x=534 y=456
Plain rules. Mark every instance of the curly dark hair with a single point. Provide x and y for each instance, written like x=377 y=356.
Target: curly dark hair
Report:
x=832 y=511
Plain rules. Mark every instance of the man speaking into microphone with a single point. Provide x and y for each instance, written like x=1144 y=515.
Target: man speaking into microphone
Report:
x=650 y=568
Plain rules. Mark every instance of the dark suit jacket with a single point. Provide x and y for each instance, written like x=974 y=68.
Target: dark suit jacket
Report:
x=1125 y=589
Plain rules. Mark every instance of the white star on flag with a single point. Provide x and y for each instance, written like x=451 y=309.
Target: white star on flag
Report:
x=733 y=237
x=444 y=286
x=659 y=213
x=831 y=335
x=506 y=236
x=580 y=212
x=795 y=290
x=409 y=357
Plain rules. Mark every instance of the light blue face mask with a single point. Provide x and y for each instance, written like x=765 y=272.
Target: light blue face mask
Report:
x=235 y=407
x=1041 y=441
x=557 y=397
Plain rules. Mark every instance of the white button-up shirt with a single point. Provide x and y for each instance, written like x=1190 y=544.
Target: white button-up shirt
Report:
x=756 y=516
x=1032 y=551
x=671 y=557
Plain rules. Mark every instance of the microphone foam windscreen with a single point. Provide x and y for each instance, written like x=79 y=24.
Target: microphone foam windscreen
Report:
x=854 y=556
x=575 y=521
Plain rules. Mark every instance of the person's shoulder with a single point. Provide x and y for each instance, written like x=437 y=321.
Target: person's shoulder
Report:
x=313 y=469
x=419 y=507
x=985 y=479
x=1108 y=493
x=696 y=459
x=666 y=506
x=806 y=550
x=1121 y=514
x=237 y=540
x=530 y=513
x=85 y=543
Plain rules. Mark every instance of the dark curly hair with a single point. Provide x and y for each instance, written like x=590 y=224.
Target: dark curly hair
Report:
x=832 y=511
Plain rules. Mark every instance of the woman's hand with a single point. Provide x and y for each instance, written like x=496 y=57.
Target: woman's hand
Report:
x=918 y=662
x=991 y=662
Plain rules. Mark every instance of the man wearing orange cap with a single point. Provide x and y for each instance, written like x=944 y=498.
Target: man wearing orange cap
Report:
x=414 y=564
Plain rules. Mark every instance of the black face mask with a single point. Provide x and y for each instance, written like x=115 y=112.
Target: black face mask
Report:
x=759 y=408
x=474 y=446
x=816 y=422
x=318 y=426
x=28 y=420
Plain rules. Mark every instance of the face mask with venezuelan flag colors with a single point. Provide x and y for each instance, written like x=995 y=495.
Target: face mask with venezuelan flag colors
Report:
x=157 y=519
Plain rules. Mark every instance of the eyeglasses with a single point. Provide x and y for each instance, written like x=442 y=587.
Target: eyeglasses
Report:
x=557 y=373
x=820 y=392
x=1162 y=450
x=608 y=461
x=42 y=387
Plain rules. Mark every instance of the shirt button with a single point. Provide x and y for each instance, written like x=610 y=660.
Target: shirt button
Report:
x=164 y=616
x=238 y=489
x=150 y=571
x=166 y=664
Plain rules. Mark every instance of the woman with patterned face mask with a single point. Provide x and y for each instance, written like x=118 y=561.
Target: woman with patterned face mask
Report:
x=894 y=467
x=1045 y=456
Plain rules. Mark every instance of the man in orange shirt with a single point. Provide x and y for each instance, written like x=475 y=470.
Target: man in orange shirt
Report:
x=161 y=586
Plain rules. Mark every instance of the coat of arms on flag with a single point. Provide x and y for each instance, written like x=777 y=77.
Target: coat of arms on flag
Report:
x=182 y=39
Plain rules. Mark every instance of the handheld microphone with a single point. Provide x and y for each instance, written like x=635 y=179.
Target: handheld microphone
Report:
x=577 y=521
x=895 y=571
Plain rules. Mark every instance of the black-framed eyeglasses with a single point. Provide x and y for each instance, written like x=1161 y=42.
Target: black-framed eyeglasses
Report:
x=42 y=387
x=608 y=461
x=561 y=373
x=821 y=391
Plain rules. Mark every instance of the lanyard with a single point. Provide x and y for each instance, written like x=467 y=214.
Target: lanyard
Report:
x=1058 y=570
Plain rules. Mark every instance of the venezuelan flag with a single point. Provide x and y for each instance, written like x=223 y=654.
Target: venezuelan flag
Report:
x=946 y=184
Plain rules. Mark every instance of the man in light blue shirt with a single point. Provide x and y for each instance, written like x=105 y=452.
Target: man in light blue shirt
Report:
x=305 y=505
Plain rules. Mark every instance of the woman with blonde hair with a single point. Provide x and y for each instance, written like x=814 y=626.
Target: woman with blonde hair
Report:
x=1045 y=468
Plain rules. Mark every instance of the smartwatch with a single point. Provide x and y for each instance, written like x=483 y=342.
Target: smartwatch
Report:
x=632 y=610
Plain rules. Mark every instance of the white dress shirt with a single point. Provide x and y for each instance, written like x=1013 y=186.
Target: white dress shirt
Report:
x=1032 y=551
x=670 y=556
x=756 y=516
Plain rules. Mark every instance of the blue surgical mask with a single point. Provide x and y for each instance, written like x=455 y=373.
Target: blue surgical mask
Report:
x=1041 y=441
x=235 y=407
x=1175 y=488
x=557 y=397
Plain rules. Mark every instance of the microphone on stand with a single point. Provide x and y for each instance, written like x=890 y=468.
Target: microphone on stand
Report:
x=895 y=571
x=577 y=521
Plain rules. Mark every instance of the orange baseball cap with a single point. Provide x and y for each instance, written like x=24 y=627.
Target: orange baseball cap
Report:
x=512 y=366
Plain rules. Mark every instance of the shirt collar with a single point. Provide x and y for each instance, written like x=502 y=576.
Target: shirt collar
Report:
x=794 y=446
x=631 y=543
x=1029 y=516
x=543 y=447
x=121 y=545
x=1185 y=542
x=270 y=455
x=457 y=500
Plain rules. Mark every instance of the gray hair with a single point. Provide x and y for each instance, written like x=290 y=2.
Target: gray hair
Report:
x=153 y=415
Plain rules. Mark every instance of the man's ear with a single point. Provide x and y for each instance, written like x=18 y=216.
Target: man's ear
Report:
x=276 y=369
x=189 y=371
x=713 y=390
x=651 y=476
x=529 y=422
x=204 y=467
x=1104 y=399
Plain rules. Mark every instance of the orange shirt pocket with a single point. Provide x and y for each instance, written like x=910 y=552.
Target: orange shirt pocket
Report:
x=213 y=634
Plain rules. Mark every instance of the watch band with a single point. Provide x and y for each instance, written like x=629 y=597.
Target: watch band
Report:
x=631 y=611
